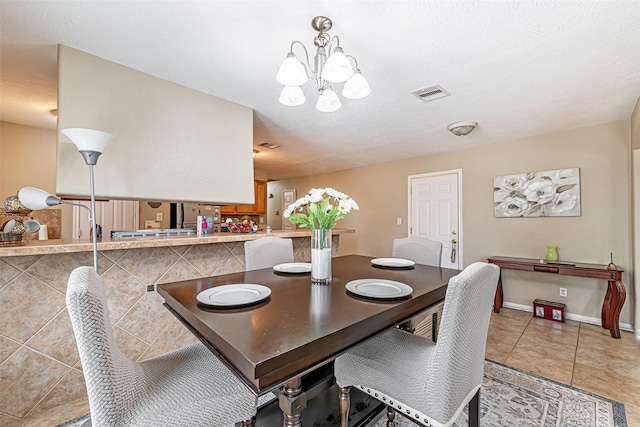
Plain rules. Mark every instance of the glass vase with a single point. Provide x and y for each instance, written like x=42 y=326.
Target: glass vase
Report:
x=321 y=256
x=552 y=253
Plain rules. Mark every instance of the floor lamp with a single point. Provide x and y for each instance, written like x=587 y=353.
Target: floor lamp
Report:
x=90 y=144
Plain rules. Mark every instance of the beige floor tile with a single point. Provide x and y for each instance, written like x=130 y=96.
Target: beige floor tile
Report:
x=548 y=347
x=616 y=365
x=539 y=363
x=57 y=415
x=9 y=421
x=507 y=319
x=544 y=333
x=497 y=350
x=625 y=348
x=633 y=414
x=568 y=325
x=606 y=383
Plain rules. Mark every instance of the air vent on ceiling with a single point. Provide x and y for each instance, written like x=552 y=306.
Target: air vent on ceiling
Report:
x=430 y=93
x=270 y=145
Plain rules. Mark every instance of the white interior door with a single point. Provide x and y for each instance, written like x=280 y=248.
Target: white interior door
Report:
x=435 y=212
x=288 y=197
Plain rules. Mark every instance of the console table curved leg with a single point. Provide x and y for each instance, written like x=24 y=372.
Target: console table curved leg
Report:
x=606 y=308
x=612 y=306
x=497 y=300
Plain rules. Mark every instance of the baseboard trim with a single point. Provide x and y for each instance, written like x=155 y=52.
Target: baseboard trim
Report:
x=570 y=316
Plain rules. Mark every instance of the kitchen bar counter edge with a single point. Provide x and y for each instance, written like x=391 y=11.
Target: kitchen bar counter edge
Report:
x=58 y=246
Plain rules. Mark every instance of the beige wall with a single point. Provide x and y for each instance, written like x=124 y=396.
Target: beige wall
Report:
x=601 y=152
x=169 y=139
x=635 y=144
x=28 y=159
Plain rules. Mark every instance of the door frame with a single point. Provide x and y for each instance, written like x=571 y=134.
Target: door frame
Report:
x=457 y=172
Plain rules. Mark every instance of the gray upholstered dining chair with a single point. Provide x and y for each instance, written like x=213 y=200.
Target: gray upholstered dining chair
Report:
x=186 y=387
x=426 y=252
x=418 y=249
x=267 y=252
x=429 y=383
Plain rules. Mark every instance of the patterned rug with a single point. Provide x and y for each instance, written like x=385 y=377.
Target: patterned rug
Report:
x=511 y=397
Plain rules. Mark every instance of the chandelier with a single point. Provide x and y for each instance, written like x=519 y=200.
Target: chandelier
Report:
x=330 y=65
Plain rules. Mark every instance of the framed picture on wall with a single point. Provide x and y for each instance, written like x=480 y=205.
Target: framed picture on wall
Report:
x=535 y=194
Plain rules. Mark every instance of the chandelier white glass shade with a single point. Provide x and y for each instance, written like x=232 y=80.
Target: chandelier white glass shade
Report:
x=330 y=65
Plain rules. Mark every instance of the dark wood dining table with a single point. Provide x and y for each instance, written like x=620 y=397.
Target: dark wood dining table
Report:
x=301 y=326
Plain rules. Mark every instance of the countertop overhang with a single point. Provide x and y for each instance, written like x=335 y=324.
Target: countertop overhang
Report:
x=56 y=246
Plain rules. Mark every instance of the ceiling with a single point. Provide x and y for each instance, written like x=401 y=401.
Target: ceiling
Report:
x=518 y=68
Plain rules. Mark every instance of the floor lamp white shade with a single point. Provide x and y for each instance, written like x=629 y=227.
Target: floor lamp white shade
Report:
x=35 y=198
x=90 y=143
x=88 y=139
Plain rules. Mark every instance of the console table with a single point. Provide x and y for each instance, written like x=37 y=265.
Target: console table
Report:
x=613 y=300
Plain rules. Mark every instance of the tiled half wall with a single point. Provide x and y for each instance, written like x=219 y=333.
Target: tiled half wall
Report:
x=39 y=363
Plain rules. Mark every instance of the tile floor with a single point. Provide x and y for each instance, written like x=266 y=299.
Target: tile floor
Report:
x=578 y=354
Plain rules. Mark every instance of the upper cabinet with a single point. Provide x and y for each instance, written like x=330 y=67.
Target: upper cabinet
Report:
x=258 y=208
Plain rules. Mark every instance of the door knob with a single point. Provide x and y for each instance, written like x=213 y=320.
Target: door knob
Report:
x=454 y=232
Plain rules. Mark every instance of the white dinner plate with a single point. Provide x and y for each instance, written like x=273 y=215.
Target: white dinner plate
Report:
x=234 y=295
x=379 y=288
x=392 y=262
x=293 y=267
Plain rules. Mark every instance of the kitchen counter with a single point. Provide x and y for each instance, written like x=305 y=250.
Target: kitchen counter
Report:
x=58 y=246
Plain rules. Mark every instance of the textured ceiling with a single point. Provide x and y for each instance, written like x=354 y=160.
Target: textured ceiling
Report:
x=519 y=68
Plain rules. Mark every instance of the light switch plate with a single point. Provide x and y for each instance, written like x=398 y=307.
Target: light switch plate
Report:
x=159 y=216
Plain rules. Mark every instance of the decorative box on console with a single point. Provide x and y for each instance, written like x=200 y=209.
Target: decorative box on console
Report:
x=548 y=310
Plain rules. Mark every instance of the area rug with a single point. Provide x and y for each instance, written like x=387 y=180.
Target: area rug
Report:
x=510 y=397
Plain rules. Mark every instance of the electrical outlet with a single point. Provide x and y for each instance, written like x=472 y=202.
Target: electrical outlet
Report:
x=159 y=216
x=399 y=221
x=563 y=292
x=151 y=288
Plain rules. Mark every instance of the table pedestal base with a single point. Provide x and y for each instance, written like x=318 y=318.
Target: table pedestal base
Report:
x=324 y=409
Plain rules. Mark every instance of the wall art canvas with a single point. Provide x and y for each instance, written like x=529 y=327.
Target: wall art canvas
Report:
x=534 y=194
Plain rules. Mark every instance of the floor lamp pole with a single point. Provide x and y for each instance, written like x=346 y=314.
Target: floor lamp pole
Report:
x=93 y=220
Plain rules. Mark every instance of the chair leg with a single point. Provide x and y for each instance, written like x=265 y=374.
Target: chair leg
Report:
x=345 y=401
x=249 y=423
x=391 y=416
x=474 y=410
x=434 y=327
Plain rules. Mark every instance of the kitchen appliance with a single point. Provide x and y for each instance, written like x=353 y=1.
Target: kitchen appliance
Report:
x=186 y=215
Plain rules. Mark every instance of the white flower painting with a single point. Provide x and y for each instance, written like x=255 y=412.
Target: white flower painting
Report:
x=533 y=194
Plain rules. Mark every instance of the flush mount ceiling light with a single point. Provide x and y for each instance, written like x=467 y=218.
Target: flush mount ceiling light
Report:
x=462 y=128
x=330 y=66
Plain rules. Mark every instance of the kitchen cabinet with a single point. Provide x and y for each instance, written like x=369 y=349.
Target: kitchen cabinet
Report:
x=257 y=208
